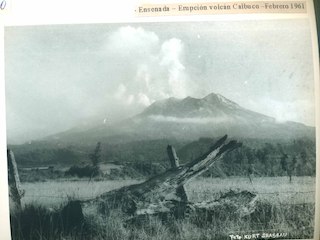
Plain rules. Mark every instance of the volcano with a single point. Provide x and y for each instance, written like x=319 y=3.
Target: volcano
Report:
x=190 y=118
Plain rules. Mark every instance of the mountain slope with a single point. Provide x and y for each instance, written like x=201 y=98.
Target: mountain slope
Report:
x=191 y=118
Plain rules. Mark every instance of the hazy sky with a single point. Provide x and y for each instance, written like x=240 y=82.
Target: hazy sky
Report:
x=58 y=77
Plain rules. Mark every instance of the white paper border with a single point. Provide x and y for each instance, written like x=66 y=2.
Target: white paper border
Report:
x=43 y=12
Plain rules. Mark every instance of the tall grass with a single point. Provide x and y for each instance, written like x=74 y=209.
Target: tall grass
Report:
x=36 y=222
x=291 y=213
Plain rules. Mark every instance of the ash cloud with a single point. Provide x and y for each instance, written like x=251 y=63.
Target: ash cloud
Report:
x=156 y=67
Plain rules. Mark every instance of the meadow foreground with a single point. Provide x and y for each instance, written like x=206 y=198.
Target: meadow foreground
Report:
x=281 y=211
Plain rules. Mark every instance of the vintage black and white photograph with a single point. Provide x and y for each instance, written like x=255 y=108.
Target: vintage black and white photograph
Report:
x=155 y=131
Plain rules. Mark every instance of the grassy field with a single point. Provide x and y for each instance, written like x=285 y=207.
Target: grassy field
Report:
x=273 y=189
x=284 y=208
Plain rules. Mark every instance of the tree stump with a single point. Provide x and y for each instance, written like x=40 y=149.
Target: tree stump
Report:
x=174 y=161
x=15 y=191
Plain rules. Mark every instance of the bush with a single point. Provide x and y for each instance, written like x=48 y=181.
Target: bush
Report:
x=139 y=170
x=86 y=171
x=143 y=169
x=37 y=222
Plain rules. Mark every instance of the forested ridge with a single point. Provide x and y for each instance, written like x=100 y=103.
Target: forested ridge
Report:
x=260 y=157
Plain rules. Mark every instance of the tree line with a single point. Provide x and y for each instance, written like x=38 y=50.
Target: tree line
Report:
x=256 y=157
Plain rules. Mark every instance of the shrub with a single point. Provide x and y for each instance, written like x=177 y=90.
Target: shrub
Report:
x=37 y=222
x=86 y=171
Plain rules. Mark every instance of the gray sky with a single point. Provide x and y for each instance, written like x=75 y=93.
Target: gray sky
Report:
x=62 y=76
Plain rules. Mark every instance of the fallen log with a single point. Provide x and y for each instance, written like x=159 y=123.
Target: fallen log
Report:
x=165 y=193
x=232 y=204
